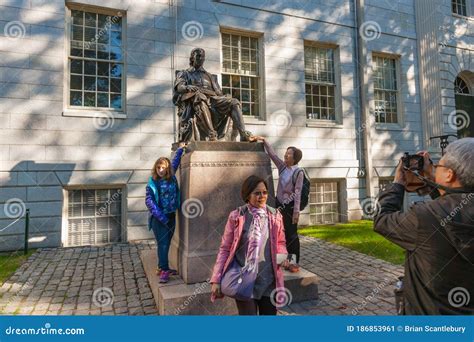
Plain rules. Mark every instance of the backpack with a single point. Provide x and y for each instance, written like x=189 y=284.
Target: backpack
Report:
x=305 y=189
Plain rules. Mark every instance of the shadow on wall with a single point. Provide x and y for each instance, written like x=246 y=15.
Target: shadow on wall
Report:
x=39 y=188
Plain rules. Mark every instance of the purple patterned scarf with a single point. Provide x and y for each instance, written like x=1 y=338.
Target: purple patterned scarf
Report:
x=256 y=234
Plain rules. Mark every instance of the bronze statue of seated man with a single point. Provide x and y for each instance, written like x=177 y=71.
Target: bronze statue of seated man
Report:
x=204 y=112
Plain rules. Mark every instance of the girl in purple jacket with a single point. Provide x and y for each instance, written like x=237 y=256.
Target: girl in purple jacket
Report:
x=162 y=200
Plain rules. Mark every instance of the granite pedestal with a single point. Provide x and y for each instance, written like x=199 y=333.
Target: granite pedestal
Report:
x=210 y=176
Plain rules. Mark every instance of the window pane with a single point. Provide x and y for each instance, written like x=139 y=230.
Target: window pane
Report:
x=89 y=35
x=116 y=70
x=102 y=84
x=103 y=21
x=116 y=101
x=90 y=50
x=89 y=83
x=116 y=38
x=76 y=82
x=89 y=99
x=76 y=66
x=245 y=109
x=76 y=49
x=102 y=99
x=76 y=98
x=77 y=33
x=116 y=85
x=116 y=22
x=77 y=17
x=115 y=53
x=102 y=69
x=225 y=80
x=90 y=67
x=90 y=19
x=103 y=51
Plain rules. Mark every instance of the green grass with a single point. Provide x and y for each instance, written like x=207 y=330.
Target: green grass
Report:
x=10 y=262
x=359 y=236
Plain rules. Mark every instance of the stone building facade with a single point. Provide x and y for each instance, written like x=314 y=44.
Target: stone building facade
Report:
x=86 y=108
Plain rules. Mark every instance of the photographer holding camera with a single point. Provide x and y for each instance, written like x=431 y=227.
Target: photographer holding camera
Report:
x=438 y=235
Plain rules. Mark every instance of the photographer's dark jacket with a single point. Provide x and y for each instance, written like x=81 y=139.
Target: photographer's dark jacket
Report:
x=438 y=237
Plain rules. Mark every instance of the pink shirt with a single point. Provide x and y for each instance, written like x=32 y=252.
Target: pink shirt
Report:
x=286 y=191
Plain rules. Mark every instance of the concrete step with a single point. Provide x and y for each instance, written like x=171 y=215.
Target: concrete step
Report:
x=178 y=298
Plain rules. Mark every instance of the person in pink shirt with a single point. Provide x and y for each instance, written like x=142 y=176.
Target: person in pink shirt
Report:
x=253 y=237
x=288 y=198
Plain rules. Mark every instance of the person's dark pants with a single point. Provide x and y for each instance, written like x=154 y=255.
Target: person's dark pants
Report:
x=291 y=230
x=262 y=307
x=163 y=235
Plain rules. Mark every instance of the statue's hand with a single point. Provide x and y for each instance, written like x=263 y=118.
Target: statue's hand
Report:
x=191 y=88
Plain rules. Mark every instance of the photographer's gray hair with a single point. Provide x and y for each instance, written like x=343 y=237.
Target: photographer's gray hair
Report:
x=460 y=157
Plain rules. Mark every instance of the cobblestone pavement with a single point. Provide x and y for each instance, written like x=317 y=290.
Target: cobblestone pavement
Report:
x=78 y=281
x=352 y=283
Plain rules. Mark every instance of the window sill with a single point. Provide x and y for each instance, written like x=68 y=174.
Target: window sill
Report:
x=388 y=127
x=254 y=121
x=459 y=16
x=323 y=124
x=91 y=113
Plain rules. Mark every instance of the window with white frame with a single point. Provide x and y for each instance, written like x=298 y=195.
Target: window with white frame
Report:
x=94 y=216
x=240 y=71
x=460 y=86
x=323 y=203
x=320 y=84
x=459 y=7
x=385 y=89
x=96 y=64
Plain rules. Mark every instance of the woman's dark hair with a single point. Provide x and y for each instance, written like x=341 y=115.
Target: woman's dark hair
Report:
x=297 y=154
x=249 y=185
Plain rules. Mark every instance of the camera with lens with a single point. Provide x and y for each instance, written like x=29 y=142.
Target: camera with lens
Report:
x=414 y=164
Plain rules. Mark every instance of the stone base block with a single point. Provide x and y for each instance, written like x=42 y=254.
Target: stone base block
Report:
x=178 y=298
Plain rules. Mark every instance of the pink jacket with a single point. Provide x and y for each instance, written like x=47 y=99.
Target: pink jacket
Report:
x=231 y=238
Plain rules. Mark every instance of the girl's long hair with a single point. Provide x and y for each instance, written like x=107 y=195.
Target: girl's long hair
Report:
x=169 y=172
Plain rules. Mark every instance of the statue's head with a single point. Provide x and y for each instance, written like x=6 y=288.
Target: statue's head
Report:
x=197 y=57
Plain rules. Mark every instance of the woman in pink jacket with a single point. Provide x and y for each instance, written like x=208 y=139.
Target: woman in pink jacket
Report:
x=254 y=235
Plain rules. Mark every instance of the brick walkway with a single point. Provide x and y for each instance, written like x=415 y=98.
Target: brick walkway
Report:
x=82 y=281
x=351 y=283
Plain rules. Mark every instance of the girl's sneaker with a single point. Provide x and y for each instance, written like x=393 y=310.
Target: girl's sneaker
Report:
x=164 y=276
x=171 y=271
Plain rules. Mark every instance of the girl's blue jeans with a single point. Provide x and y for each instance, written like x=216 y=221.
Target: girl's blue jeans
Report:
x=163 y=235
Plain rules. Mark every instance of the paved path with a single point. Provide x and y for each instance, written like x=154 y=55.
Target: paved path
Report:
x=80 y=281
x=83 y=281
x=352 y=283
